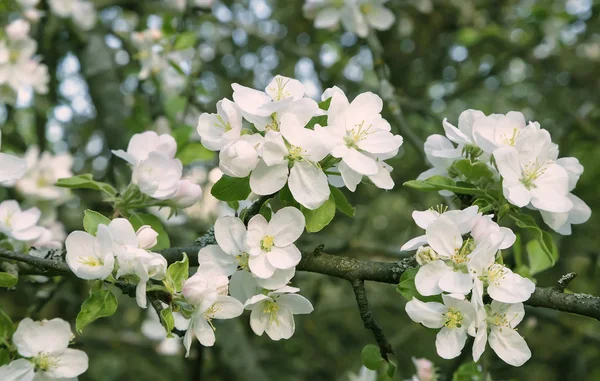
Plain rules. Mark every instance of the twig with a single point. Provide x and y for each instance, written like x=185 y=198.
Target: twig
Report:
x=564 y=281
x=369 y=322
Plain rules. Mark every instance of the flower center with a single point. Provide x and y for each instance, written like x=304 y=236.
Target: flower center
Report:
x=242 y=260
x=274 y=124
x=44 y=362
x=280 y=91
x=91 y=261
x=532 y=172
x=226 y=126
x=454 y=318
x=356 y=134
x=267 y=243
x=461 y=256
x=295 y=153
x=366 y=8
x=510 y=140
x=271 y=308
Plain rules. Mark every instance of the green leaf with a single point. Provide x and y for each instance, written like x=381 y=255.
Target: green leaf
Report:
x=545 y=241
x=182 y=134
x=174 y=105
x=320 y=120
x=166 y=316
x=538 y=260
x=101 y=303
x=468 y=372
x=391 y=369
x=324 y=105
x=341 y=202
x=138 y=220
x=4 y=356
x=473 y=172
x=265 y=210
x=286 y=198
x=91 y=220
x=7 y=328
x=185 y=40
x=371 y=357
x=231 y=188
x=177 y=274
x=194 y=152
x=8 y=280
x=177 y=68
x=437 y=183
x=406 y=287
x=318 y=218
x=85 y=181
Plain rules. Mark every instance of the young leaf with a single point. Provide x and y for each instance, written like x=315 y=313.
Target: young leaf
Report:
x=85 y=181
x=538 y=260
x=7 y=328
x=231 y=188
x=546 y=244
x=473 y=172
x=437 y=183
x=319 y=218
x=91 y=220
x=371 y=357
x=166 y=316
x=194 y=152
x=139 y=220
x=8 y=280
x=101 y=303
x=4 y=356
x=341 y=202
x=177 y=274
x=468 y=372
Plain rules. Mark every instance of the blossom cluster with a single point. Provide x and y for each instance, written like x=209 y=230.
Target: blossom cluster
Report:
x=281 y=146
x=357 y=16
x=20 y=68
x=463 y=271
x=117 y=249
x=522 y=155
x=156 y=171
x=260 y=262
x=82 y=12
x=45 y=353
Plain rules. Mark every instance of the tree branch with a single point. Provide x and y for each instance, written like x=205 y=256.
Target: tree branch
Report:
x=369 y=322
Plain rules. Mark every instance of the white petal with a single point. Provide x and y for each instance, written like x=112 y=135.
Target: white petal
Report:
x=516 y=193
x=70 y=363
x=308 y=185
x=32 y=338
x=428 y=277
x=455 y=134
x=509 y=346
x=11 y=167
x=227 y=307
x=430 y=314
x=230 y=233
x=360 y=162
x=327 y=18
x=286 y=226
x=257 y=230
x=380 y=17
x=243 y=286
x=480 y=342
x=350 y=177
x=257 y=321
x=122 y=232
x=260 y=266
x=203 y=331
x=456 y=282
x=511 y=287
x=279 y=279
x=507 y=160
x=449 y=342
x=414 y=243
x=444 y=237
x=284 y=257
x=266 y=180
x=17 y=370
x=297 y=304
x=283 y=327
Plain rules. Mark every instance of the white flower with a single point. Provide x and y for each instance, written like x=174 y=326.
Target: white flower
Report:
x=18 y=30
x=425 y=370
x=448 y=273
x=500 y=320
x=307 y=182
x=11 y=167
x=531 y=176
x=54 y=235
x=464 y=220
x=382 y=179
x=357 y=130
x=43 y=172
x=158 y=176
x=271 y=244
x=20 y=225
x=453 y=317
x=218 y=130
x=240 y=157
x=484 y=227
x=84 y=14
x=502 y=284
x=141 y=145
x=441 y=154
x=90 y=257
x=19 y=69
x=201 y=326
x=45 y=346
x=283 y=96
x=133 y=260
x=274 y=313
x=463 y=135
x=147 y=237
x=205 y=286
x=498 y=130
x=561 y=222
x=188 y=193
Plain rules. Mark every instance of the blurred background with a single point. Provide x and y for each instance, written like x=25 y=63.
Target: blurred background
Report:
x=538 y=57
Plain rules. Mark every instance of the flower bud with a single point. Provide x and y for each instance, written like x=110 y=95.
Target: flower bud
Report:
x=187 y=194
x=425 y=254
x=18 y=30
x=238 y=159
x=425 y=369
x=146 y=237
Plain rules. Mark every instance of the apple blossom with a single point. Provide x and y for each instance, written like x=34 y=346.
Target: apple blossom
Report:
x=499 y=320
x=42 y=173
x=205 y=286
x=188 y=193
x=274 y=312
x=44 y=346
x=463 y=135
x=11 y=167
x=158 y=176
x=218 y=130
x=484 y=227
x=240 y=157
x=18 y=224
x=90 y=257
x=425 y=370
x=141 y=145
x=453 y=317
x=271 y=244
x=18 y=30
x=440 y=153
x=498 y=130
x=82 y=12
